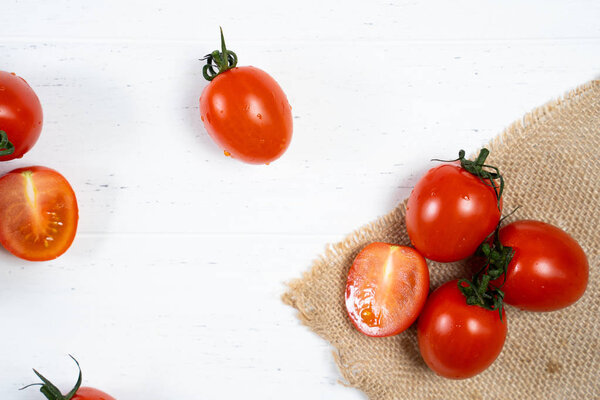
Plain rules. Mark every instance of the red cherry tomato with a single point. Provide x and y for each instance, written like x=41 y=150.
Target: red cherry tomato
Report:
x=457 y=340
x=20 y=115
x=548 y=271
x=88 y=393
x=449 y=213
x=247 y=114
x=38 y=213
x=386 y=289
x=245 y=111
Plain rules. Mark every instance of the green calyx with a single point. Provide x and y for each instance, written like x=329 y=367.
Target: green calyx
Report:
x=6 y=147
x=50 y=391
x=218 y=62
x=488 y=174
x=479 y=291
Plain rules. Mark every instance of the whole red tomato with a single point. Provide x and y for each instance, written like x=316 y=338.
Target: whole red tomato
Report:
x=450 y=212
x=51 y=392
x=38 y=213
x=386 y=289
x=458 y=340
x=548 y=270
x=88 y=393
x=20 y=117
x=244 y=110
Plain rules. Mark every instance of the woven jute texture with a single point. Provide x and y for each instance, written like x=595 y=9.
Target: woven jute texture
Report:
x=551 y=166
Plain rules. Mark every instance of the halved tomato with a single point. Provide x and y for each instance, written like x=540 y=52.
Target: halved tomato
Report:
x=38 y=213
x=386 y=289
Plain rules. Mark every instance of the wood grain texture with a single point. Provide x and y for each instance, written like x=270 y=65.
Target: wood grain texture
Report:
x=171 y=288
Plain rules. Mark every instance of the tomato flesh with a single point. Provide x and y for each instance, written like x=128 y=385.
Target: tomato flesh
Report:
x=449 y=213
x=386 y=288
x=548 y=271
x=20 y=114
x=88 y=393
x=247 y=114
x=457 y=340
x=38 y=213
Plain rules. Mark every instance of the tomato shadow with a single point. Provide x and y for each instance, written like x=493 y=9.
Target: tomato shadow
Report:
x=6 y=257
x=7 y=166
x=192 y=84
x=405 y=186
x=409 y=345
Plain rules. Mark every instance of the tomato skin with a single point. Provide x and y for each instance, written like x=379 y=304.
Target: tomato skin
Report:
x=247 y=114
x=386 y=289
x=457 y=340
x=88 y=393
x=548 y=271
x=38 y=213
x=449 y=213
x=20 y=114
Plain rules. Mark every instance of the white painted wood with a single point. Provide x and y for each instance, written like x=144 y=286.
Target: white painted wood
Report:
x=172 y=286
x=269 y=20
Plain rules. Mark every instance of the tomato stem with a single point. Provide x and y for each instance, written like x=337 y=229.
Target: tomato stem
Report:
x=487 y=174
x=479 y=291
x=6 y=147
x=52 y=392
x=218 y=62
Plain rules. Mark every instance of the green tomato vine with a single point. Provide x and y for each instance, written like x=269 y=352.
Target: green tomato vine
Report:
x=479 y=291
x=218 y=62
x=50 y=391
x=6 y=147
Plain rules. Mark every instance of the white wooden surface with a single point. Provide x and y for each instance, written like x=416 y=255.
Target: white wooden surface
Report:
x=172 y=287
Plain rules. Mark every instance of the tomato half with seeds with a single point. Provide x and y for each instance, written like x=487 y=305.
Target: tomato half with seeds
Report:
x=20 y=116
x=548 y=271
x=458 y=340
x=38 y=213
x=386 y=288
x=244 y=110
x=450 y=212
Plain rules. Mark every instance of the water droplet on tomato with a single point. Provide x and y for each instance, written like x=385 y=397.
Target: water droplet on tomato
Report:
x=466 y=197
x=259 y=116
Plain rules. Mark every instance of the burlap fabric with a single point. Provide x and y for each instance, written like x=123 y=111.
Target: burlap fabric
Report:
x=552 y=168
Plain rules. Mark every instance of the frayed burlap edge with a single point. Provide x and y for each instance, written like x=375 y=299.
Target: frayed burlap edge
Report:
x=294 y=296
